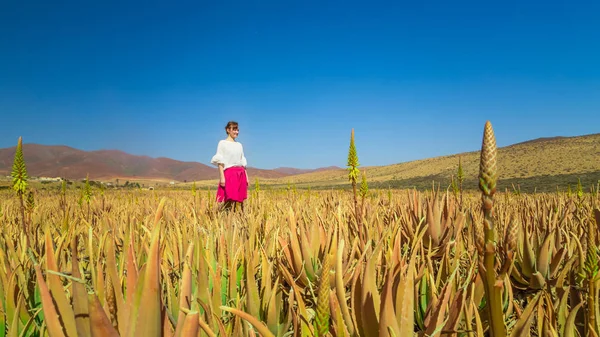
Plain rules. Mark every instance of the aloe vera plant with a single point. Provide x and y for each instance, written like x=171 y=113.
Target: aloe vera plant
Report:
x=19 y=179
x=487 y=236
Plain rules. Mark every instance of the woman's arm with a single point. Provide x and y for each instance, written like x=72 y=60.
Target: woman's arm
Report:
x=217 y=160
x=221 y=175
x=245 y=163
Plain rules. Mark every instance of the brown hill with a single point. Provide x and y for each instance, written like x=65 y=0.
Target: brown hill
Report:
x=555 y=159
x=70 y=163
x=294 y=171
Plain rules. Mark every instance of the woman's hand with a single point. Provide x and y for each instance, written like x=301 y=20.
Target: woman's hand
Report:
x=222 y=181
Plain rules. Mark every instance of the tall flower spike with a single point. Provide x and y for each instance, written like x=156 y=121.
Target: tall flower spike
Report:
x=488 y=168
x=487 y=184
x=19 y=171
x=352 y=160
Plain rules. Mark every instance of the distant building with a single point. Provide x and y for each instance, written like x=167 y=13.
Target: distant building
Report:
x=50 y=179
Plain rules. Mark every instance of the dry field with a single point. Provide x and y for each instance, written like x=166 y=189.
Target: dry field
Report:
x=150 y=263
x=89 y=262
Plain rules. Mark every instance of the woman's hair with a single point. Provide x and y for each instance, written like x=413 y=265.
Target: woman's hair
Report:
x=229 y=125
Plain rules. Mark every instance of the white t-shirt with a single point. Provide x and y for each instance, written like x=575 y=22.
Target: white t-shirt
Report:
x=229 y=154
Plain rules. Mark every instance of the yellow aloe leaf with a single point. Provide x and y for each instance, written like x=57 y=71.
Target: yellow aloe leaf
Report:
x=341 y=289
x=316 y=240
x=437 y=315
x=405 y=299
x=467 y=314
x=581 y=255
x=185 y=289
x=272 y=309
x=454 y=311
x=508 y=297
x=58 y=293
x=544 y=256
x=548 y=329
x=423 y=299
x=478 y=324
x=339 y=327
x=296 y=251
x=570 y=328
x=208 y=316
x=51 y=318
x=167 y=326
x=148 y=320
x=190 y=325
x=91 y=243
x=263 y=330
x=562 y=314
x=517 y=278
x=297 y=294
x=266 y=281
x=370 y=300
x=388 y=324
x=206 y=328
x=80 y=302
x=111 y=270
x=540 y=315
x=202 y=276
x=13 y=328
x=293 y=260
x=171 y=297
x=216 y=290
x=523 y=325
x=220 y=325
x=233 y=266
x=100 y=283
x=132 y=276
x=286 y=321
x=12 y=294
x=100 y=325
x=528 y=265
x=434 y=228
x=355 y=299
x=405 y=294
x=252 y=297
x=537 y=281
x=3 y=318
x=24 y=313
x=159 y=211
x=557 y=260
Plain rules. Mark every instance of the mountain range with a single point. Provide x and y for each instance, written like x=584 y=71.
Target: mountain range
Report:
x=70 y=163
x=543 y=162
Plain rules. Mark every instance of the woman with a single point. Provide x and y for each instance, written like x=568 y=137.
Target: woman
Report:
x=233 y=179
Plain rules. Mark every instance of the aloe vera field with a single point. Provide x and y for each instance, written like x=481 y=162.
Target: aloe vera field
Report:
x=438 y=262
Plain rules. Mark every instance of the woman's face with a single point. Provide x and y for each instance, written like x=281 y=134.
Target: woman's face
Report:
x=233 y=132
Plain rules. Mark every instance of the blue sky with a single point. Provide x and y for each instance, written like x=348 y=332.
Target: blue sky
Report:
x=414 y=79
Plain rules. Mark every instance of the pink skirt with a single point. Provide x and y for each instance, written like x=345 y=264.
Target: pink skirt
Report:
x=236 y=185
